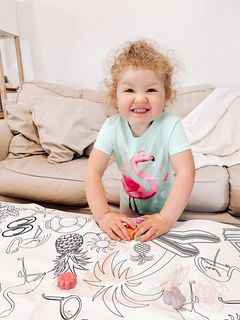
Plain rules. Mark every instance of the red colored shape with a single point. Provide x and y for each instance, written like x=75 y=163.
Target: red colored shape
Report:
x=67 y=280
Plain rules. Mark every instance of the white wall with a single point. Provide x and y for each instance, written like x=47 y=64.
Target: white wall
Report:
x=8 y=16
x=66 y=42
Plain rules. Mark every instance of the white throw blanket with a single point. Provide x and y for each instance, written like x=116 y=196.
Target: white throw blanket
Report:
x=213 y=129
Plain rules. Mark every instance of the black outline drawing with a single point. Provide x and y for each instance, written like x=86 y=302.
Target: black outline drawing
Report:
x=222 y=272
x=228 y=301
x=141 y=249
x=175 y=243
x=66 y=224
x=71 y=256
x=31 y=282
x=233 y=236
x=231 y=317
x=6 y=211
x=100 y=242
x=64 y=308
x=15 y=228
x=123 y=288
x=114 y=278
x=33 y=242
x=181 y=242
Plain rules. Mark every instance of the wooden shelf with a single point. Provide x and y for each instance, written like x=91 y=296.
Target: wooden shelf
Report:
x=9 y=90
x=3 y=90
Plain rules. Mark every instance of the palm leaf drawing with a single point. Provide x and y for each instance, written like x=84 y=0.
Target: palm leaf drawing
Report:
x=115 y=288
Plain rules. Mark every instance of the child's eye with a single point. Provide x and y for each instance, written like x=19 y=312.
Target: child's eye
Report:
x=151 y=90
x=129 y=90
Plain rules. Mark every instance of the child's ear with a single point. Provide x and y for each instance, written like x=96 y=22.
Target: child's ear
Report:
x=169 y=94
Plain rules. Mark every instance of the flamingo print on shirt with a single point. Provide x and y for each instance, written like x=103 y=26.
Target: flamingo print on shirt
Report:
x=133 y=188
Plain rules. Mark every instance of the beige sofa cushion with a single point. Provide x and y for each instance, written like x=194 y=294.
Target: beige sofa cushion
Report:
x=35 y=179
x=43 y=88
x=66 y=126
x=25 y=140
x=210 y=192
x=188 y=98
x=5 y=138
x=40 y=126
x=234 y=181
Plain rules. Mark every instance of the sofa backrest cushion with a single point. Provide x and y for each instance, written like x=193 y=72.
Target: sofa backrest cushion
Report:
x=42 y=88
x=66 y=126
x=60 y=126
x=25 y=141
x=188 y=98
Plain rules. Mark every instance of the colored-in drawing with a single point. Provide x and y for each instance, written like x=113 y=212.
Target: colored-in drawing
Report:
x=31 y=282
x=37 y=240
x=191 y=313
x=69 y=307
x=208 y=290
x=174 y=298
x=123 y=282
x=133 y=188
x=66 y=224
x=116 y=279
x=142 y=249
x=71 y=256
x=178 y=243
x=116 y=288
x=215 y=270
x=100 y=242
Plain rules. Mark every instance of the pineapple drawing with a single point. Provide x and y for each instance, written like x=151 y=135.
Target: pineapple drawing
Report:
x=71 y=255
x=142 y=249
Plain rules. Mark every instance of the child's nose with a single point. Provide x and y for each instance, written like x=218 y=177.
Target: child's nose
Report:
x=140 y=97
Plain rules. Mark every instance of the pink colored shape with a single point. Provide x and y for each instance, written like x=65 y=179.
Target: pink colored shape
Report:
x=133 y=188
x=67 y=280
x=137 y=220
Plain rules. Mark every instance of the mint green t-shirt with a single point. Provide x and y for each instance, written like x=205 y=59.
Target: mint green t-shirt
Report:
x=144 y=161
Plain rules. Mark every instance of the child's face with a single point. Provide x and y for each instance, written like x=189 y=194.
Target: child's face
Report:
x=140 y=98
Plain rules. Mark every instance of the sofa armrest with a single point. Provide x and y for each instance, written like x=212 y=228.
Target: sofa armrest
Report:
x=5 y=138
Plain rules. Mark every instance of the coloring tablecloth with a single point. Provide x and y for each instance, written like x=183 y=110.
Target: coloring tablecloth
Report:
x=115 y=280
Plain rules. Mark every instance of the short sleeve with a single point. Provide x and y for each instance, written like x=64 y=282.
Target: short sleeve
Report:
x=178 y=141
x=104 y=139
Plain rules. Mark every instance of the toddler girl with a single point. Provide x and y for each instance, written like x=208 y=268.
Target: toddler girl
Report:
x=149 y=145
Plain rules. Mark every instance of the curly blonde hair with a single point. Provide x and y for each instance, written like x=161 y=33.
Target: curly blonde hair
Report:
x=140 y=54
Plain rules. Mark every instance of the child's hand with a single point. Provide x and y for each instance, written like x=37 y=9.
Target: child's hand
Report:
x=112 y=224
x=152 y=227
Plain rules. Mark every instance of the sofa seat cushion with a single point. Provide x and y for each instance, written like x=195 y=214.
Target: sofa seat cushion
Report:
x=210 y=192
x=234 y=181
x=36 y=179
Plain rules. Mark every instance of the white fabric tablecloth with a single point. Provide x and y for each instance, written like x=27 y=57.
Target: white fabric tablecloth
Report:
x=115 y=280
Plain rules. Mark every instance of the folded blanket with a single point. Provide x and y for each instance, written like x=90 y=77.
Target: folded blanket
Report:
x=213 y=129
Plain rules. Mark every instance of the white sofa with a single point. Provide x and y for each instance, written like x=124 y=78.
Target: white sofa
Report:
x=46 y=138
